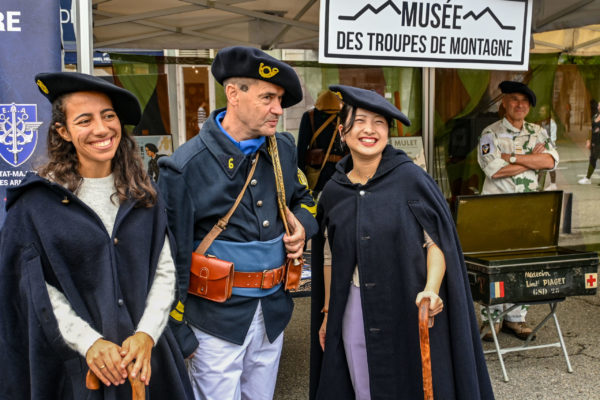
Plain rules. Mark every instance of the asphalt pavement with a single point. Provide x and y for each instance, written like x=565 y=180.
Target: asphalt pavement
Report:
x=539 y=374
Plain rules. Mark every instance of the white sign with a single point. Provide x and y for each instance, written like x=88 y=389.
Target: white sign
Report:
x=412 y=146
x=478 y=34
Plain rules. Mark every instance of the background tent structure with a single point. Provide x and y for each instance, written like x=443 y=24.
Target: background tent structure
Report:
x=268 y=24
x=289 y=24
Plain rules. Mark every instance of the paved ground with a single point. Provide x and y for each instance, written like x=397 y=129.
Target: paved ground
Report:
x=536 y=374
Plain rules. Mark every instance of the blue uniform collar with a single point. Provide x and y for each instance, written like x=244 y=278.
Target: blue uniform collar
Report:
x=229 y=155
x=247 y=147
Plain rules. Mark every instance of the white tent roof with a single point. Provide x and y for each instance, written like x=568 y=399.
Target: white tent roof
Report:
x=208 y=24
x=205 y=24
x=584 y=41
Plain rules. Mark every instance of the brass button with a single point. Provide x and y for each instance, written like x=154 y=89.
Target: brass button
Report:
x=115 y=241
x=253 y=182
x=120 y=302
x=259 y=203
x=65 y=200
x=266 y=224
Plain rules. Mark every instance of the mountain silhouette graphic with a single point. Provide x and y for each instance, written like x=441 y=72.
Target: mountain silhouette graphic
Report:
x=487 y=10
x=369 y=7
x=391 y=4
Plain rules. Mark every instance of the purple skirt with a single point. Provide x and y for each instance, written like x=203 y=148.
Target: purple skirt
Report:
x=353 y=333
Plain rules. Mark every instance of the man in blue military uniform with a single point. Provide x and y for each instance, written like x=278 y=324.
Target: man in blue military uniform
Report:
x=236 y=345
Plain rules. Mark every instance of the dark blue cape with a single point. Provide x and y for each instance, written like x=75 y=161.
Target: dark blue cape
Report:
x=379 y=226
x=49 y=235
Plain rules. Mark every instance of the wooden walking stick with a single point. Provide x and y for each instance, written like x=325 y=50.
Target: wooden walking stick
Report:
x=138 y=388
x=425 y=352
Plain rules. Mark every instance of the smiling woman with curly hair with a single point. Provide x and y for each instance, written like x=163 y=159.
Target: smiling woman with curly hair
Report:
x=87 y=277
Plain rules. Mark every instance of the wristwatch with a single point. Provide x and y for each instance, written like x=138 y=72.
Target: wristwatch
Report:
x=513 y=158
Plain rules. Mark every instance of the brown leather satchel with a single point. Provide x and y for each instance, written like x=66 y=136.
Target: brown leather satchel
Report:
x=314 y=158
x=293 y=273
x=210 y=277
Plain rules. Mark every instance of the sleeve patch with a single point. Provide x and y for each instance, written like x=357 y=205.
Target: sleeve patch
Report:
x=486 y=144
x=302 y=178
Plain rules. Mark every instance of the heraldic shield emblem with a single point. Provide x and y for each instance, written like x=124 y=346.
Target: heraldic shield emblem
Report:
x=18 y=132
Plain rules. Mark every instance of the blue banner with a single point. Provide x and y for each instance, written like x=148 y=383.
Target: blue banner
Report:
x=29 y=44
x=67 y=16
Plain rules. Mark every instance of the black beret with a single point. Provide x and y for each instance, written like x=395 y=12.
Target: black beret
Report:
x=518 y=87
x=369 y=100
x=54 y=84
x=248 y=62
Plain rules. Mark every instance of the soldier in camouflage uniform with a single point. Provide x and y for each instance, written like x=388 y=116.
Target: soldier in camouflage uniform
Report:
x=511 y=153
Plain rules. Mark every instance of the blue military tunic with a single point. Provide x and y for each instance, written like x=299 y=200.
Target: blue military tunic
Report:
x=200 y=182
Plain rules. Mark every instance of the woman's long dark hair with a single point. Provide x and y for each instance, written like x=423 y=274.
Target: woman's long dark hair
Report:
x=131 y=181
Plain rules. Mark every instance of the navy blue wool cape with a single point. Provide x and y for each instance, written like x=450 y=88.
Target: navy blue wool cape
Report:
x=50 y=235
x=379 y=226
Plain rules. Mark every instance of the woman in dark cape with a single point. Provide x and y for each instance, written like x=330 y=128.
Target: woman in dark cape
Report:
x=86 y=273
x=393 y=243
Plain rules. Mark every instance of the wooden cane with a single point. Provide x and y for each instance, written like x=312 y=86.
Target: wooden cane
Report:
x=138 y=388
x=425 y=352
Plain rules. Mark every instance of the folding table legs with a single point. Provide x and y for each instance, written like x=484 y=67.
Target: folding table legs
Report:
x=500 y=351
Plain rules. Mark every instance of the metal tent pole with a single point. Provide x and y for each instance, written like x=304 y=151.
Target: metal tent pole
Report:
x=84 y=35
x=428 y=86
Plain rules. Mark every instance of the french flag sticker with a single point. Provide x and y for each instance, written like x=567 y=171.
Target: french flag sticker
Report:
x=496 y=290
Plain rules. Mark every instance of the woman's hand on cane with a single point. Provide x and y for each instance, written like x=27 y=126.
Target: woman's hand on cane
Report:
x=436 y=305
x=137 y=349
x=104 y=360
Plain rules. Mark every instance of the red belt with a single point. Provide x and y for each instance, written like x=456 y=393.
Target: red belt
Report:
x=266 y=279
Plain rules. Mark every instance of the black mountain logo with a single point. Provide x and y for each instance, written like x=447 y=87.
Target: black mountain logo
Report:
x=369 y=7
x=471 y=14
x=390 y=3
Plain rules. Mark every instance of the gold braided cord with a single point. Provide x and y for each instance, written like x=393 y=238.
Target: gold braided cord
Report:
x=274 y=152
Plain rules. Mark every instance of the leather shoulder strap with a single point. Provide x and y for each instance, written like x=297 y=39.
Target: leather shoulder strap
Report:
x=222 y=222
x=321 y=128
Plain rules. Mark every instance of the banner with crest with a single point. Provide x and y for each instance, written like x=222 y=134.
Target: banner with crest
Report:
x=29 y=44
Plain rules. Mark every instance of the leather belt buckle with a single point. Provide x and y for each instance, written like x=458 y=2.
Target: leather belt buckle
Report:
x=276 y=276
x=262 y=278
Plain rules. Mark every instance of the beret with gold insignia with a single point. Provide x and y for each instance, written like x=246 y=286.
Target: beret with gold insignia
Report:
x=369 y=100
x=518 y=87
x=248 y=62
x=55 y=84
